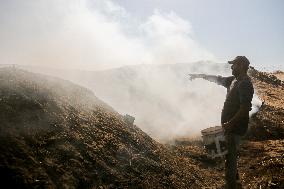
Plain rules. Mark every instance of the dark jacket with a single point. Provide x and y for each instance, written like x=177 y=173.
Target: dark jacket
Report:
x=239 y=92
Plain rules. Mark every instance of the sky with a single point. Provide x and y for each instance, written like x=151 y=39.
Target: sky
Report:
x=227 y=28
x=102 y=34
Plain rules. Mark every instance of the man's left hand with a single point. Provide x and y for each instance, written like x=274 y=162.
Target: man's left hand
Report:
x=227 y=127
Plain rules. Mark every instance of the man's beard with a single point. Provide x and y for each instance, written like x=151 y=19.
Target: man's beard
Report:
x=235 y=73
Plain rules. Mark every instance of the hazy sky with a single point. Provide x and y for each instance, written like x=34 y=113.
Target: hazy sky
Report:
x=226 y=28
x=99 y=34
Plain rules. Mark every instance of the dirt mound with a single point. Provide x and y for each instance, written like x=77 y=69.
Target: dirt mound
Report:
x=268 y=78
x=55 y=134
x=279 y=74
x=268 y=122
x=261 y=164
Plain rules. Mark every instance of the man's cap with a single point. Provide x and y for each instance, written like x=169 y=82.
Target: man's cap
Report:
x=241 y=60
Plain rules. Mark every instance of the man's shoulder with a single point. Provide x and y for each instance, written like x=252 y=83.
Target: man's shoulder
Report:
x=226 y=80
x=246 y=81
x=245 y=84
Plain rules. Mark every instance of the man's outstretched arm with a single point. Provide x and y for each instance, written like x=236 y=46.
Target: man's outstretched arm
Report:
x=224 y=81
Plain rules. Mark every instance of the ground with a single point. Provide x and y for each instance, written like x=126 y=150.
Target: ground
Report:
x=55 y=134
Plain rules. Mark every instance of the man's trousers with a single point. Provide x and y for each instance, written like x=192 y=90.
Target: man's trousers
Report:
x=231 y=173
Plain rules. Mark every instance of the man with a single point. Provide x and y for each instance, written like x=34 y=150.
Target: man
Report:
x=235 y=112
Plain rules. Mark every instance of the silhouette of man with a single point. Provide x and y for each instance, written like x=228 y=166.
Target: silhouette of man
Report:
x=235 y=112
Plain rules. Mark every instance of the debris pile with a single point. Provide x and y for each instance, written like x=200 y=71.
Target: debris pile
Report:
x=279 y=74
x=268 y=123
x=265 y=77
x=262 y=164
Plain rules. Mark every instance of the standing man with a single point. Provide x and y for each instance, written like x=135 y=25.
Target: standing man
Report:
x=235 y=112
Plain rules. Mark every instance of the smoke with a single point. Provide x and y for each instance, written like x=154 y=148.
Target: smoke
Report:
x=165 y=104
x=256 y=104
x=100 y=34
x=92 y=35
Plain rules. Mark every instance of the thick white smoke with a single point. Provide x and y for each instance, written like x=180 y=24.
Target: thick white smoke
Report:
x=164 y=102
x=100 y=34
x=93 y=35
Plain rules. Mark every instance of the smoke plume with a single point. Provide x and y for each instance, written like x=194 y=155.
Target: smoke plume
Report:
x=92 y=35
x=101 y=34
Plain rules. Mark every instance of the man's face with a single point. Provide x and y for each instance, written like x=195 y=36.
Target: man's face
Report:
x=236 y=69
